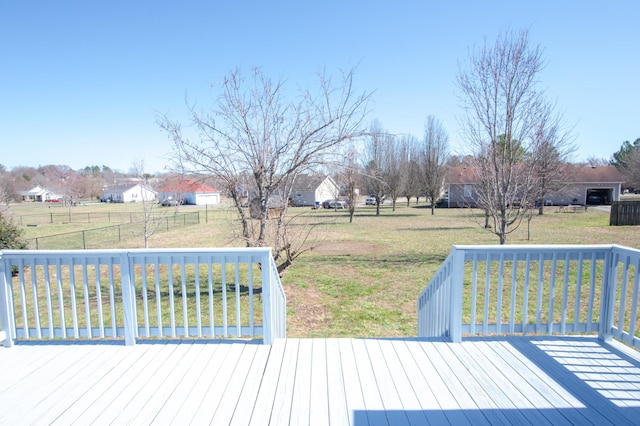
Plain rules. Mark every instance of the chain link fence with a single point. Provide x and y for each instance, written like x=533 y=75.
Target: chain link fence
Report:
x=113 y=235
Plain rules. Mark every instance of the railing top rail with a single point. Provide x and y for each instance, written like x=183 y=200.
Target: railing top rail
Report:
x=538 y=247
x=243 y=251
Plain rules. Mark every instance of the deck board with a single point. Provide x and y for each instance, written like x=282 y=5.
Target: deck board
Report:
x=527 y=380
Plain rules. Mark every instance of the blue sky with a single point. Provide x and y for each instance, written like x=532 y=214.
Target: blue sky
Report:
x=81 y=81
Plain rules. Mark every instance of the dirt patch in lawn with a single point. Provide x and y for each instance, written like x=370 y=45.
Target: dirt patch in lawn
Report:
x=345 y=247
x=306 y=311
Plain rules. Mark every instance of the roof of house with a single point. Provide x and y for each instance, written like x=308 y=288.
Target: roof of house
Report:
x=587 y=174
x=309 y=182
x=35 y=191
x=120 y=189
x=187 y=186
x=575 y=174
x=460 y=175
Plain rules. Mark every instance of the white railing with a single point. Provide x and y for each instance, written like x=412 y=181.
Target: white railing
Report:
x=486 y=290
x=130 y=294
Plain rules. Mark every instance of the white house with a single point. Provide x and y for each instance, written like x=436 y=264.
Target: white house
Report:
x=189 y=191
x=311 y=189
x=40 y=194
x=129 y=194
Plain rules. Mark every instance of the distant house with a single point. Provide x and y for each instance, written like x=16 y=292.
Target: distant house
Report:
x=129 y=193
x=311 y=189
x=40 y=194
x=583 y=185
x=189 y=191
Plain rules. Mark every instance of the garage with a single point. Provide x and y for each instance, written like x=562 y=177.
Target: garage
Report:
x=599 y=196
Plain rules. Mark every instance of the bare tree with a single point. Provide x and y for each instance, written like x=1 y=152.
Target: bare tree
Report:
x=410 y=185
x=375 y=163
x=150 y=221
x=435 y=155
x=552 y=148
x=7 y=189
x=254 y=131
x=503 y=113
x=392 y=172
x=349 y=178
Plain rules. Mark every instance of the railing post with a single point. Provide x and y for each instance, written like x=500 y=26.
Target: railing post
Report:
x=609 y=280
x=455 y=303
x=128 y=301
x=5 y=308
x=267 y=320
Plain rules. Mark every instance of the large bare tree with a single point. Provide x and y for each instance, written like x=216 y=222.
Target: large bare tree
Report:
x=435 y=155
x=504 y=111
x=258 y=138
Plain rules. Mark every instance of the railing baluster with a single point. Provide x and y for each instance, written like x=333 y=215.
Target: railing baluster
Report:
x=539 y=301
x=552 y=293
x=74 y=303
x=87 y=303
x=576 y=305
x=172 y=309
x=250 y=284
x=63 y=321
x=525 y=294
x=223 y=277
x=237 y=293
x=156 y=273
x=514 y=290
x=47 y=283
x=499 y=294
x=112 y=300
x=145 y=295
x=183 y=287
x=592 y=292
x=623 y=295
x=99 y=298
x=474 y=292
x=487 y=291
x=34 y=294
x=212 y=322
x=565 y=290
x=197 y=289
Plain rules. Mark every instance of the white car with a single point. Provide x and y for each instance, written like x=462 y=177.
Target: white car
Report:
x=370 y=201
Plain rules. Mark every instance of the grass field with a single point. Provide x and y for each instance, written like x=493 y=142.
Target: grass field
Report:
x=363 y=278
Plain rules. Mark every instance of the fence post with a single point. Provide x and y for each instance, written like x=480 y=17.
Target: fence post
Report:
x=455 y=303
x=5 y=307
x=609 y=280
x=128 y=301
x=267 y=309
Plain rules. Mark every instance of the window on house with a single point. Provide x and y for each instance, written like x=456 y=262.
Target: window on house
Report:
x=467 y=191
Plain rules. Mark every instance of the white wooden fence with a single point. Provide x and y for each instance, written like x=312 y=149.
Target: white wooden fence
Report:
x=130 y=294
x=486 y=290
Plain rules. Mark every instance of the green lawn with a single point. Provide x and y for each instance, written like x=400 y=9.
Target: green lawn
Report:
x=363 y=278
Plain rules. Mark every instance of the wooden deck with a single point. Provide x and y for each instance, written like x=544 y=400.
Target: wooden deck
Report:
x=515 y=380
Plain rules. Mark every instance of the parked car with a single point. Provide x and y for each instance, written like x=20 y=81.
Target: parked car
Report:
x=169 y=202
x=595 y=200
x=334 y=204
x=370 y=201
x=442 y=202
